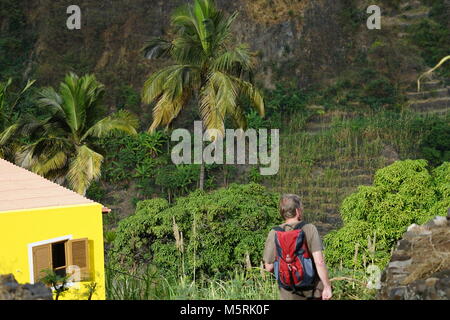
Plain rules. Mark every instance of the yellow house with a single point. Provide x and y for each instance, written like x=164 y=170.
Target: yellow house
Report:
x=46 y=226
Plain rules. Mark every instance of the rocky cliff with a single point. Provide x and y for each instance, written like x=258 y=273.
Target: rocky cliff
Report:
x=420 y=265
x=10 y=289
x=304 y=41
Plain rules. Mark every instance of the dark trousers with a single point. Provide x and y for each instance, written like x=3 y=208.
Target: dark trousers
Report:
x=315 y=294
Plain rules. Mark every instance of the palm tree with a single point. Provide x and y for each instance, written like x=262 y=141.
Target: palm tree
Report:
x=208 y=65
x=62 y=147
x=9 y=122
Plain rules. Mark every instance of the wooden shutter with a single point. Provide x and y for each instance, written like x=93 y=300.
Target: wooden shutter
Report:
x=78 y=255
x=42 y=260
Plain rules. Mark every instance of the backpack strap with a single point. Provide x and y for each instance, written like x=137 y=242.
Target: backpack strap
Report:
x=297 y=227
x=300 y=225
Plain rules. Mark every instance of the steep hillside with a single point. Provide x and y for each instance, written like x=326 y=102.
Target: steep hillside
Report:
x=325 y=156
x=307 y=43
x=303 y=41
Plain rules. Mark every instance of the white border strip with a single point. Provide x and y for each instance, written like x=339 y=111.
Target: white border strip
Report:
x=40 y=243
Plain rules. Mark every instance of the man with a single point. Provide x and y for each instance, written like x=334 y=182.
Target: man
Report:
x=291 y=210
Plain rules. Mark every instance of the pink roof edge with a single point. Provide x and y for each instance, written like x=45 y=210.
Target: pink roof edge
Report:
x=21 y=189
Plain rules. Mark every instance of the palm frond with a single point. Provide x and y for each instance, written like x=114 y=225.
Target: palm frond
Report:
x=84 y=168
x=170 y=80
x=195 y=20
x=25 y=89
x=157 y=48
x=3 y=91
x=239 y=118
x=167 y=109
x=47 y=163
x=51 y=101
x=24 y=156
x=218 y=98
x=222 y=32
x=7 y=145
x=255 y=97
x=122 y=121
x=171 y=89
x=44 y=156
x=188 y=50
x=235 y=61
x=78 y=96
x=8 y=133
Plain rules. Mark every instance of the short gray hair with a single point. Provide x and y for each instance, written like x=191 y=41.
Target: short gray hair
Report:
x=289 y=203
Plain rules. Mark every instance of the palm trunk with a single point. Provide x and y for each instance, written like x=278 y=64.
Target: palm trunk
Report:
x=202 y=166
x=202 y=176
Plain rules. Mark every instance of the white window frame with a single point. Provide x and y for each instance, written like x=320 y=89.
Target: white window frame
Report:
x=40 y=243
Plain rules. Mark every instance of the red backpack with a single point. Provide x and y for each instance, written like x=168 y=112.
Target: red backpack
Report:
x=293 y=267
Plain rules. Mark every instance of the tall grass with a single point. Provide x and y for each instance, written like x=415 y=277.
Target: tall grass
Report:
x=239 y=285
x=327 y=166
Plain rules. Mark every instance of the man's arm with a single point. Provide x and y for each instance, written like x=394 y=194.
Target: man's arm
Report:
x=323 y=274
x=269 y=267
x=269 y=252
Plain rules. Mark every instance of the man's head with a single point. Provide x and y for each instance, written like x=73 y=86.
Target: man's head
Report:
x=291 y=207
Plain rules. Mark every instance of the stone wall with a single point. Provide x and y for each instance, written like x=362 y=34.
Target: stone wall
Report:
x=420 y=265
x=10 y=289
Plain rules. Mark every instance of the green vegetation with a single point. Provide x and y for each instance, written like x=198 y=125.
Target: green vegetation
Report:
x=205 y=246
x=325 y=158
x=432 y=35
x=60 y=146
x=435 y=146
x=202 y=233
x=238 y=285
x=17 y=39
x=57 y=282
x=143 y=161
x=376 y=216
x=209 y=66
x=10 y=121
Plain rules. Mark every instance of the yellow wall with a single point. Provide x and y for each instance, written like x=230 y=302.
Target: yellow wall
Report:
x=20 y=228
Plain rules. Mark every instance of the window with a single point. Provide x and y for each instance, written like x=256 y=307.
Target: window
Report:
x=59 y=261
x=58 y=256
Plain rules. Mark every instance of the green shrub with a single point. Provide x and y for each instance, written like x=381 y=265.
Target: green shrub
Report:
x=402 y=194
x=379 y=92
x=177 y=180
x=96 y=192
x=436 y=145
x=126 y=153
x=209 y=233
x=442 y=181
x=431 y=36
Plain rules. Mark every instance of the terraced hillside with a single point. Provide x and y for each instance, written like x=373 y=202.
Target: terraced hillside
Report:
x=411 y=12
x=434 y=98
x=324 y=158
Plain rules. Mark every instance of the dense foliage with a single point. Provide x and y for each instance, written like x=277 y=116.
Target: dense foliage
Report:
x=210 y=233
x=143 y=160
x=10 y=121
x=60 y=146
x=432 y=35
x=209 y=65
x=17 y=39
x=375 y=217
x=435 y=146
